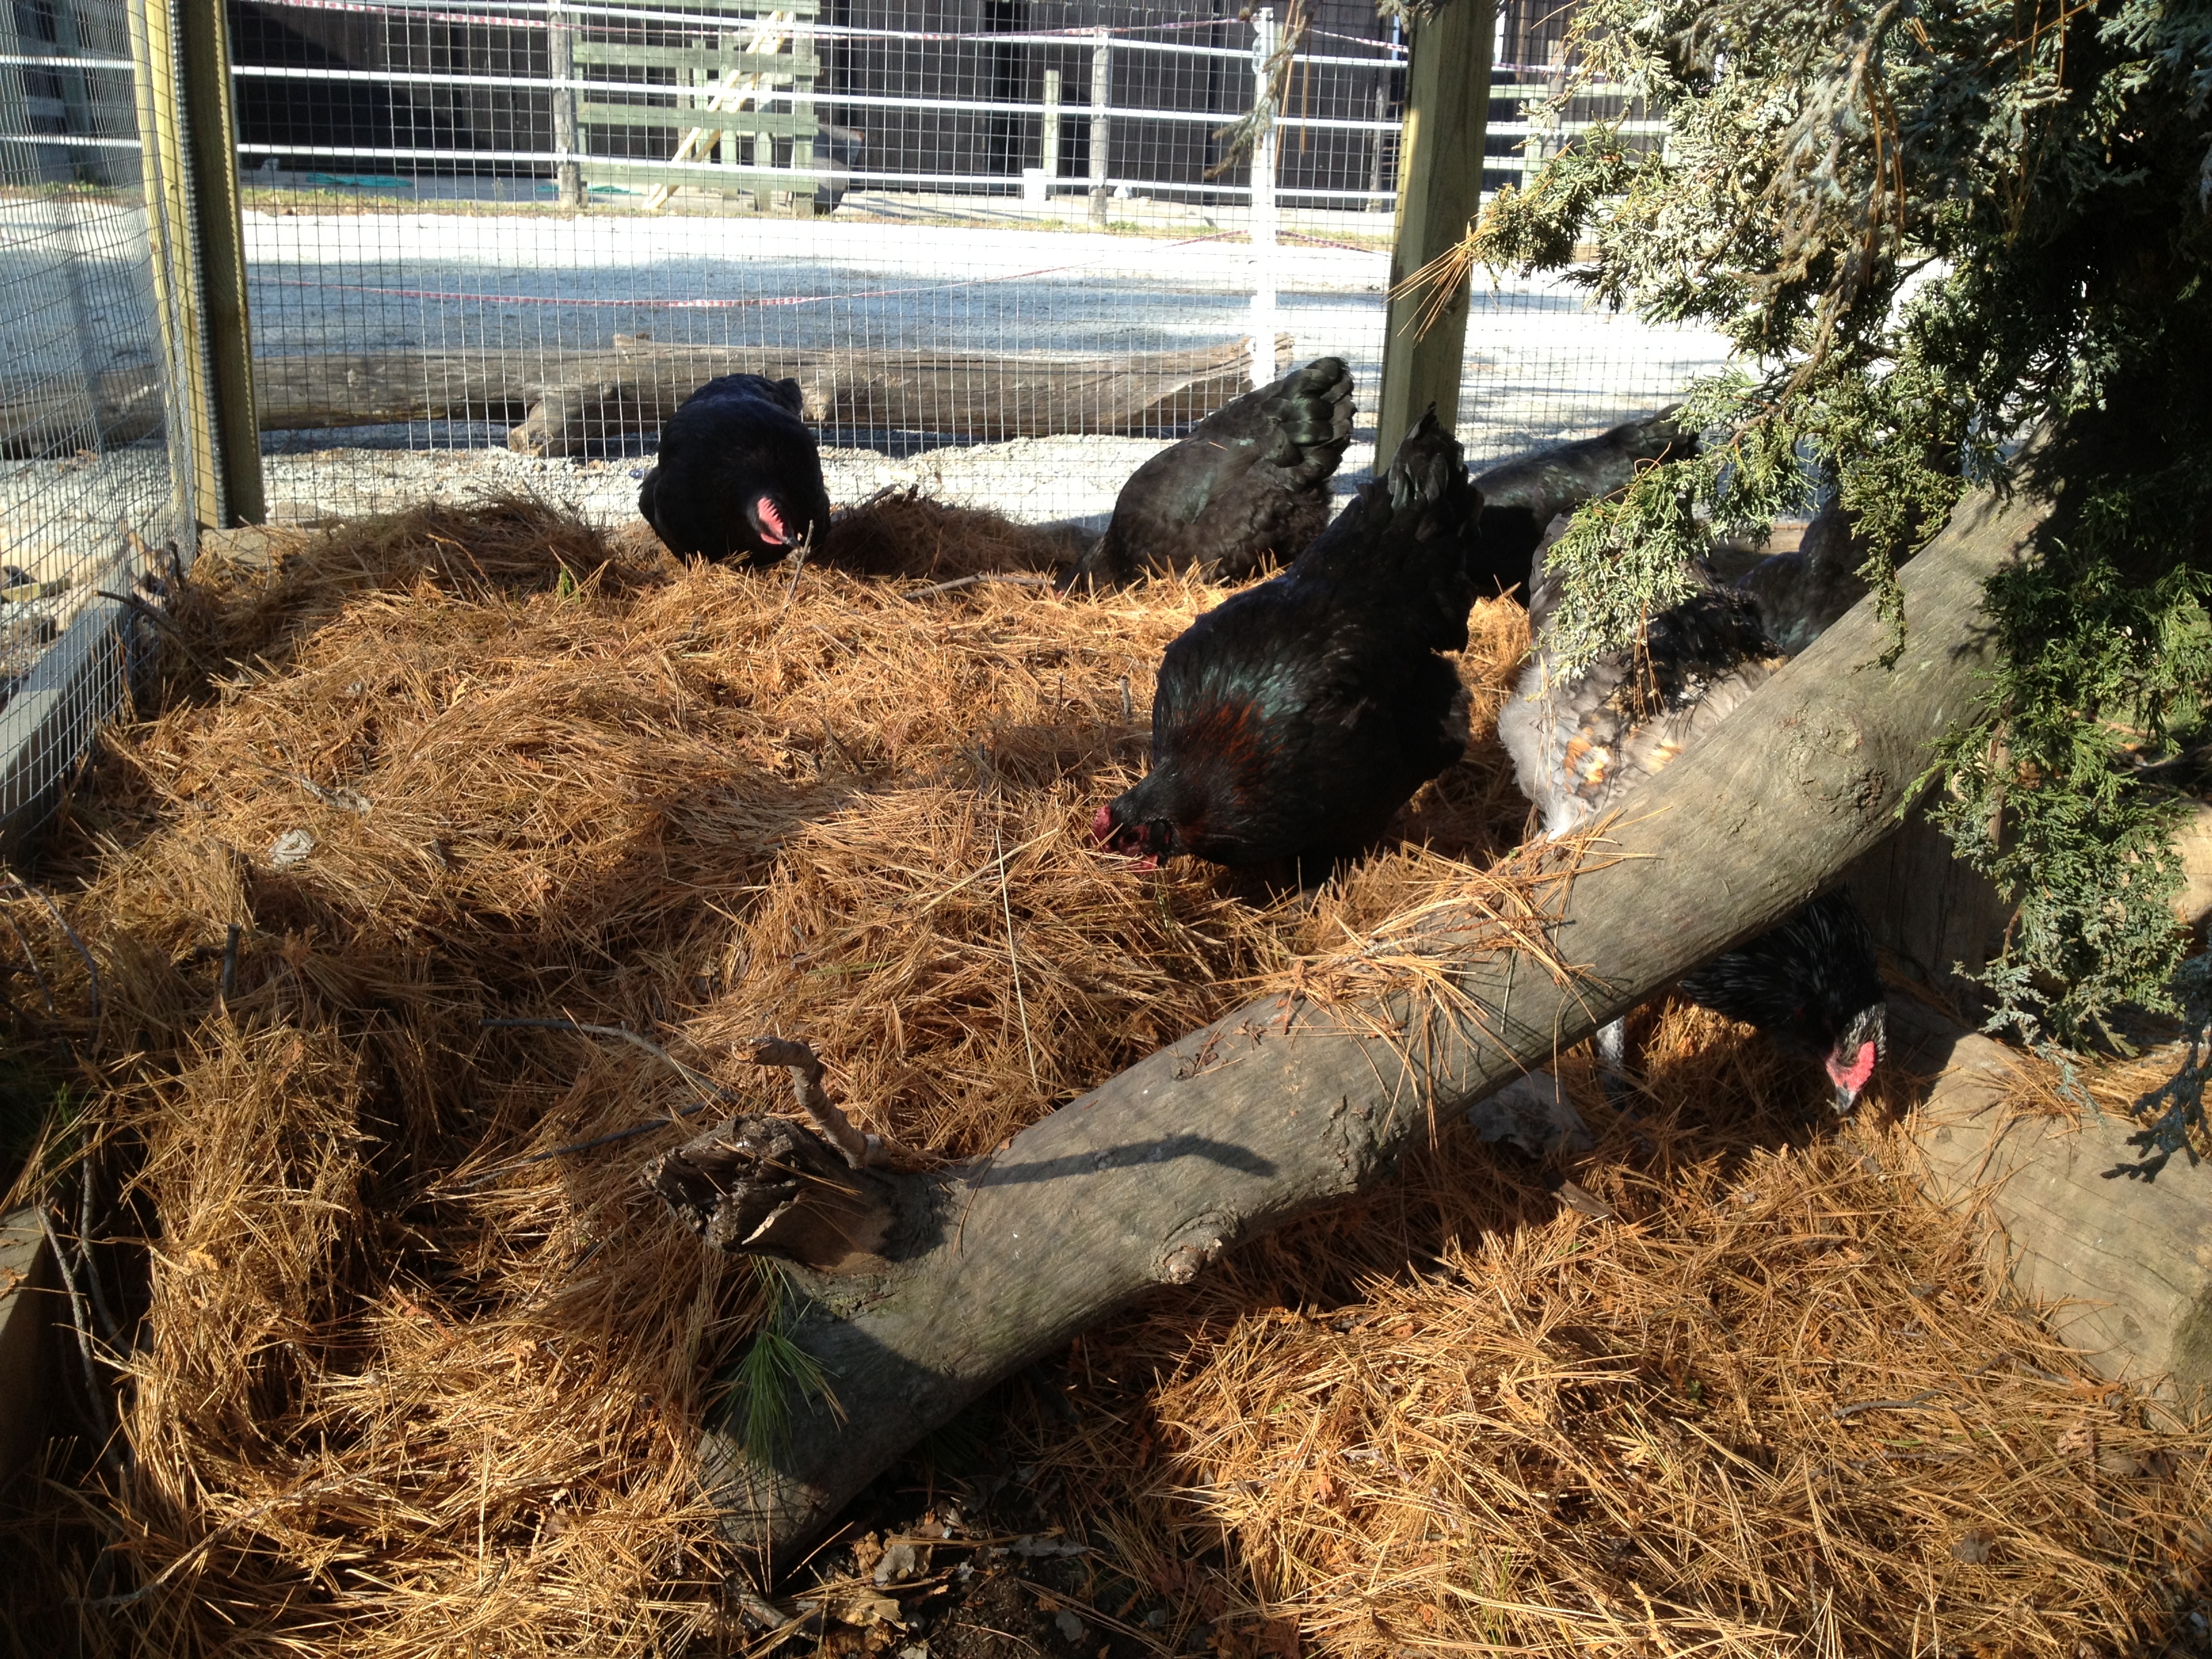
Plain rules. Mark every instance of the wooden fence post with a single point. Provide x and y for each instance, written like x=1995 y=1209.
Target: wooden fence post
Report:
x=560 y=69
x=1439 y=191
x=198 y=249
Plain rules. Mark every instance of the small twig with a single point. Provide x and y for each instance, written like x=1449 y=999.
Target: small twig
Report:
x=710 y=1094
x=108 y=1327
x=593 y=1145
x=1013 y=956
x=1839 y=1413
x=132 y=602
x=798 y=566
x=109 y=1603
x=708 y=1090
x=1015 y=578
x=44 y=990
x=102 y=1424
x=860 y=1151
x=91 y=968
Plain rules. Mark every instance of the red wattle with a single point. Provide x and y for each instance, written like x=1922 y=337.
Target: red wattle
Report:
x=1102 y=825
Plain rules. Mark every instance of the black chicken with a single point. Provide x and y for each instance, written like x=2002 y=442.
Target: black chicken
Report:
x=1291 y=722
x=1579 y=746
x=739 y=475
x=1249 y=484
x=1522 y=496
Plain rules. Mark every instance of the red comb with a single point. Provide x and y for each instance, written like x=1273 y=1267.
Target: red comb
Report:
x=772 y=527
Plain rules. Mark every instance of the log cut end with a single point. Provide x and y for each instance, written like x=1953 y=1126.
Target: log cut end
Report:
x=765 y=1186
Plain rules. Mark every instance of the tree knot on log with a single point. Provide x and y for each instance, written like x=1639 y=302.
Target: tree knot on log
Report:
x=765 y=1186
x=1201 y=1242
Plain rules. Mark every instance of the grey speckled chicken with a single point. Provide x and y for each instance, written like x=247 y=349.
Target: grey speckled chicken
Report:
x=1249 y=484
x=1293 y=721
x=1582 y=746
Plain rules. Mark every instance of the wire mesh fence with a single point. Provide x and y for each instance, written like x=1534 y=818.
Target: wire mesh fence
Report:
x=1003 y=244
x=1008 y=248
x=93 y=514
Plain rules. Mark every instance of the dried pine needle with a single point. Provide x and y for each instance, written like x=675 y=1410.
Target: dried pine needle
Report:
x=400 y=1392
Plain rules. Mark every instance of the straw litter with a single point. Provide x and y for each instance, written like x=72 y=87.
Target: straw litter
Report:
x=409 y=1379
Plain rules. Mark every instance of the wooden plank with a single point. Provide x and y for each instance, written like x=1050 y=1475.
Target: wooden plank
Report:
x=29 y=1290
x=1440 y=190
x=793 y=65
x=2126 y=1266
x=764 y=124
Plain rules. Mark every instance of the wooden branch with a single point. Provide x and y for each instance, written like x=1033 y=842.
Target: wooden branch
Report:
x=860 y=1151
x=566 y=405
x=1284 y=1105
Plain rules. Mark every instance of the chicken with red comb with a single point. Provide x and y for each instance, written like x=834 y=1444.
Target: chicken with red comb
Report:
x=739 y=475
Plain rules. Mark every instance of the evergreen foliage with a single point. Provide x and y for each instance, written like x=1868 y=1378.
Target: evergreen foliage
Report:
x=1931 y=229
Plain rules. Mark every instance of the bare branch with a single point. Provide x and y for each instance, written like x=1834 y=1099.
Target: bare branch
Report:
x=861 y=1150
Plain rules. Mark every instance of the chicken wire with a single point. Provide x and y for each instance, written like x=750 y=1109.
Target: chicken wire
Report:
x=453 y=205
x=92 y=514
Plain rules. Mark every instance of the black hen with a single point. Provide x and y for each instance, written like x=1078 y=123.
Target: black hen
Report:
x=1249 y=484
x=738 y=476
x=1522 y=496
x=1294 y=721
x=1811 y=986
x=1579 y=746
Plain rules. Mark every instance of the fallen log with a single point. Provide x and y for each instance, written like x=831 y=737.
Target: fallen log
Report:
x=983 y=396
x=60 y=416
x=567 y=405
x=1289 y=1104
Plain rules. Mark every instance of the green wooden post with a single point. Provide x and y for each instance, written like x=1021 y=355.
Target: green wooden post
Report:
x=1439 y=191
x=199 y=251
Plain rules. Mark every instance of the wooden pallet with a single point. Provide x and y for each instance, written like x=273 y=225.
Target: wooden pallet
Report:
x=704 y=102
